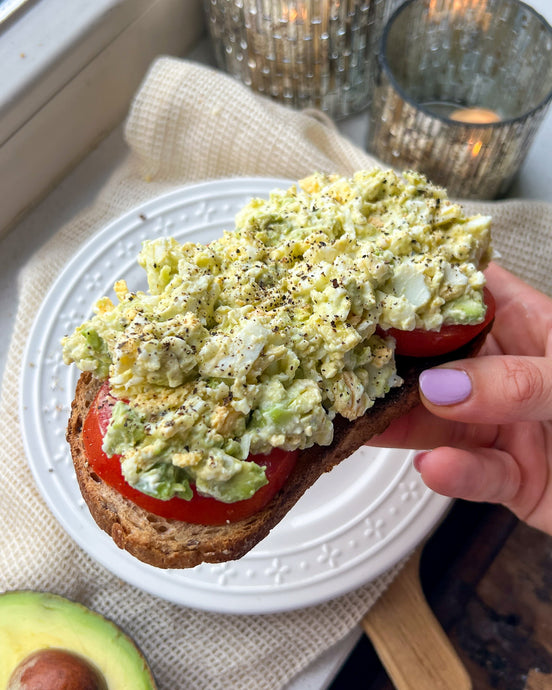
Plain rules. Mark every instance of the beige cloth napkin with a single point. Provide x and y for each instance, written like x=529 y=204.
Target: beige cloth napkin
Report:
x=190 y=123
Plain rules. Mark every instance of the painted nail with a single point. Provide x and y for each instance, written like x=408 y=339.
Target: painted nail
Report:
x=445 y=386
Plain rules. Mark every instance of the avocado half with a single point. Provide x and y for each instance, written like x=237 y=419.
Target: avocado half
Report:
x=30 y=621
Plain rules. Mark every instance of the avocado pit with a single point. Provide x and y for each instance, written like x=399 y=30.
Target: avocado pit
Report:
x=56 y=669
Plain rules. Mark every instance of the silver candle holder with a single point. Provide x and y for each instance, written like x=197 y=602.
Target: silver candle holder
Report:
x=303 y=53
x=461 y=89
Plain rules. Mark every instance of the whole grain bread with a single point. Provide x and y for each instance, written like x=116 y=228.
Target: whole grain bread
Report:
x=166 y=543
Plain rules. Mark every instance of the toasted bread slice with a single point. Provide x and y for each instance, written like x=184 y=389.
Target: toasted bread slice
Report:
x=168 y=543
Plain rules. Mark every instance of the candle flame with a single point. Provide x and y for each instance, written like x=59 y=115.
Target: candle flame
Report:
x=290 y=13
x=476 y=148
x=459 y=8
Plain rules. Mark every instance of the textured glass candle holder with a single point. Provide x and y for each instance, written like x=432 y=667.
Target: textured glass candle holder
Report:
x=461 y=89
x=304 y=53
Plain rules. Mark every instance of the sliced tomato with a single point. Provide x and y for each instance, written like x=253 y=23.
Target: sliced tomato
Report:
x=421 y=343
x=201 y=510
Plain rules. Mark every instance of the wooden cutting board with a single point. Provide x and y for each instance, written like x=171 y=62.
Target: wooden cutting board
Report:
x=408 y=638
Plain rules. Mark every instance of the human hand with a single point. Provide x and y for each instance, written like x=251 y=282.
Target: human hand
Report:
x=489 y=419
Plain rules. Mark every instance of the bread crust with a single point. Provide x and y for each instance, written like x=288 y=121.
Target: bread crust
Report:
x=166 y=543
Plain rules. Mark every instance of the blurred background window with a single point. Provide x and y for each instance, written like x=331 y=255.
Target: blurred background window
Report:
x=9 y=7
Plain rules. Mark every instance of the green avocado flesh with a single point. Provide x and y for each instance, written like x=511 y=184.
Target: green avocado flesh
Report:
x=30 y=621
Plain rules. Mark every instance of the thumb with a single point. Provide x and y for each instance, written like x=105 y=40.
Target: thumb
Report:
x=490 y=390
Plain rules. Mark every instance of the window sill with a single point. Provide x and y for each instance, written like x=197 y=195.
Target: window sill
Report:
x=70 y=70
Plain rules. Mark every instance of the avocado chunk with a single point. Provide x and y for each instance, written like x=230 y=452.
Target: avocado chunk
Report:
x=33 y=621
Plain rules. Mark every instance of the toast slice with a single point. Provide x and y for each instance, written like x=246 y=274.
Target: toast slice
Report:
x=166 y=543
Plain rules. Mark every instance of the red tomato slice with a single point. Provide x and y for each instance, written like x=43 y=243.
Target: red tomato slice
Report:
x=200 y=510
x=420 y=343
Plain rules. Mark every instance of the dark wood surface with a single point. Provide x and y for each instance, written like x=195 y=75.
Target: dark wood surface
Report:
x=488 y=579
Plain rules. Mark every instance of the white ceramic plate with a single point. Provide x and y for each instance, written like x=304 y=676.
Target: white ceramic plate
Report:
x=355 y=523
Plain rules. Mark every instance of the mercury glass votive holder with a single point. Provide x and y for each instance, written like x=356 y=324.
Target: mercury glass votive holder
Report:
x=304 y=53
x=460 y=91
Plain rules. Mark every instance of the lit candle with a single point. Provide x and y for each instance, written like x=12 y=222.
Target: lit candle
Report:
x=477 y=116
x=435 y=106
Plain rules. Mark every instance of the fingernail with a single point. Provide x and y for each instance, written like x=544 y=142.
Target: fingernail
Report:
x=418 y=459
x=445 y=386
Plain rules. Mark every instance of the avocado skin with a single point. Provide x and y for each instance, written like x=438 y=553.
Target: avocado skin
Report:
x=36 y=620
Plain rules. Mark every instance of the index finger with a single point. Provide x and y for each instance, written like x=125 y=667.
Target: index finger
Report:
x=523 y=319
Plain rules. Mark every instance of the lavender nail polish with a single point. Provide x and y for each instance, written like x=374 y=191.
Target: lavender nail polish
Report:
x=445 y=386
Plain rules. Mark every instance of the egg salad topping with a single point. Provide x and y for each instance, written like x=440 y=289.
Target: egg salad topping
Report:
x=261 y=338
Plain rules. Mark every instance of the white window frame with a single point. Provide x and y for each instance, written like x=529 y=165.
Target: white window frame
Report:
x=69 y=70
